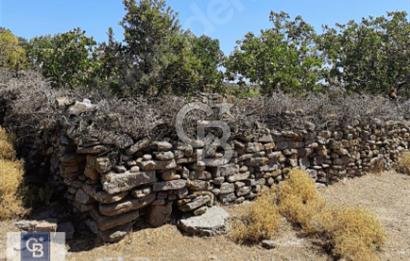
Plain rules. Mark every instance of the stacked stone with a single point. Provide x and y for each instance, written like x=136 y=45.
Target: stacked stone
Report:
x=117 y=182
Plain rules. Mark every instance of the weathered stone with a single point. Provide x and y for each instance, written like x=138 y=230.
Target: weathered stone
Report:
x=102 y=196
x=158 y=215
x=148 y=165
x=114 y=182
x=239 y=177
x=196 y=203
x=169 y=175
x=104 y=223
x=92 y=150
x=140 y=145
x=170 y=185
x=226 y=198
x=120 y=169
x=162 y=145
x=37 y=225
x=164 y=155
x=228 y=170
x=165 y=164
x=125 y=206
x=198 y=185
x=243 y=191
x=267 y=138
x=253 y=147
x=141 y=192
x=211 y=223
x=227 y=188
x=102 y=165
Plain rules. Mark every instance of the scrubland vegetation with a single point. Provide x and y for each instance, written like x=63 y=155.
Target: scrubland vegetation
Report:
x=404 y=163
x=346 y=232
x=11 y=176
x=158 y=57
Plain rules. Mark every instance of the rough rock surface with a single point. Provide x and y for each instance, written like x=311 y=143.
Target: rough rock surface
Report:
x=212 y=223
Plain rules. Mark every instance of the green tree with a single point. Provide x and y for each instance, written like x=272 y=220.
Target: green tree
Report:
x=284 y=57
x=149 y=29
x=158 y=57
x=66 y=59
x=208 y=52
x=12 y=54
x=371 y=56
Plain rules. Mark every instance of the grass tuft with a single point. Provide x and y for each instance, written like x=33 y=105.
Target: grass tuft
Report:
x=299 y=199
x=404 y=163
x=353 y=233
x=258 y=222
x=11 y=176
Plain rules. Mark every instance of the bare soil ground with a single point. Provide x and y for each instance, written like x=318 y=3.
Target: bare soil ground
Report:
x=387 y=195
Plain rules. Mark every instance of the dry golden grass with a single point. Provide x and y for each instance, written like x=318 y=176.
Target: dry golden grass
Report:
x=354 y=233
x=257 y=222
x=404 y=163
x=6 y=147
x=299 y=199
x=11 y=176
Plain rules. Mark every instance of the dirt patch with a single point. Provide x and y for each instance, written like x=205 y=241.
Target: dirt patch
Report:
x=387 y=195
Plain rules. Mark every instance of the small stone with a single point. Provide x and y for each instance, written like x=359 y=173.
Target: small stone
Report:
x=170 y=185
x=125 y=206
x=148 y=165
x=141 y=192
x=169 y=175
x=140 y=145
x=227 y=188
x=196 y=203
x=135 y=169
x=35 y=225
x=268 y=244
x=167 y=155
x=105 y=223
x=147 y=157
x=162 y=145
x=239 y=177
x=102 y=165
x=115 y=182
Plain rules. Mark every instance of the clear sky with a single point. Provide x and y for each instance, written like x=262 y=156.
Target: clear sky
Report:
x=227 y=20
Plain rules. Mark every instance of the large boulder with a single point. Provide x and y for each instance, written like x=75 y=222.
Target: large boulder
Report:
x=212 y=223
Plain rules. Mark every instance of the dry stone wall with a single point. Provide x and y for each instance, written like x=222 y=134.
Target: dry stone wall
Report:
x=117 y=182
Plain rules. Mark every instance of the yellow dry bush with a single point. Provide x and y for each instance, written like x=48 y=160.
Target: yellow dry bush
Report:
x=404 y=163
x=258 y=222
x=353 y=233
x=11 y=176
x=6 y=147
x=299 y=199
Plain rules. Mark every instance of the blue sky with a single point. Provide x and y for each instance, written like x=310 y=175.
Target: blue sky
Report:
x=227 y=20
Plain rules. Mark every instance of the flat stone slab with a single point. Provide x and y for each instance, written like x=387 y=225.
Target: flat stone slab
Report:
x=212 y=223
